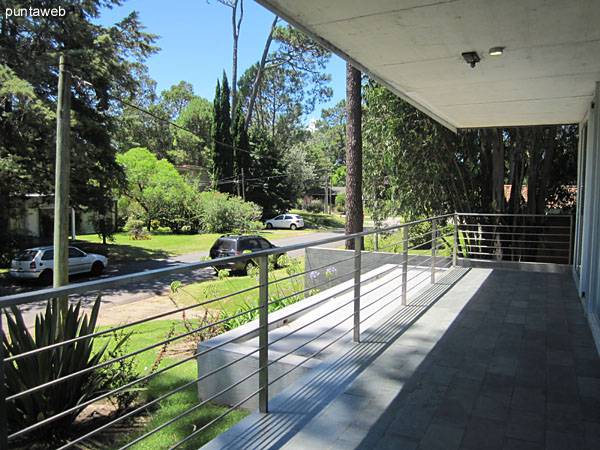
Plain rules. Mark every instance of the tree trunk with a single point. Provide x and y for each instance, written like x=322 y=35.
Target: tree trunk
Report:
x=259 y=75
x=498 y=171
x=533 y=173
x=354 y=208
x=546 y=169
x=236 y=35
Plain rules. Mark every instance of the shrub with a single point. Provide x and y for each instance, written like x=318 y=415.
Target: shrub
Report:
x=340 y=203
x=133 y=224
x=315 y=206
x=31 y=371
x=223 y=214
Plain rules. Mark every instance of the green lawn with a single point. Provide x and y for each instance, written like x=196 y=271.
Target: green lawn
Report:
x=320 y=221
x=124 y=249
x=163 y=245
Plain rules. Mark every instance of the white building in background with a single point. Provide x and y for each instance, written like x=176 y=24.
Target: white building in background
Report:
x=312 y=125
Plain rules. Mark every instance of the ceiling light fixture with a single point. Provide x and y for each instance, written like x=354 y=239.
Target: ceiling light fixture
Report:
x=496 y=51
x=471 y=58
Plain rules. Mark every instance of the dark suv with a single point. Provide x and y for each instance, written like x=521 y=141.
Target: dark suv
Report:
x=236 y=245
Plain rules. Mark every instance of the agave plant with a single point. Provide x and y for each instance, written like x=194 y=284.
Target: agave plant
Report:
x=44 y=366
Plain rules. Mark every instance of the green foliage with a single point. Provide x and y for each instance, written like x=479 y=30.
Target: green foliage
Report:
x=155 y=186
x=31 y=371
x=108 y=58
x=122 y=372
x=339 y=176
x=223 y=214
x=314 y=206
x=267 y=184
x=222 y=155
x=194 y=147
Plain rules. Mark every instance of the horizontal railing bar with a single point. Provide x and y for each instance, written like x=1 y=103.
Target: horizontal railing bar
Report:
x=523 y=233
x=121 y=327
x=311 y=306
x=96 y=285
x=309 y=357
x=500 y=225
x=314 y=338
x=299 y=274
x=106 y=363
x=528 y=241
x=518 y=256
x=551 y=249
x=308 y=289
x=460 y=214
x=164 y=396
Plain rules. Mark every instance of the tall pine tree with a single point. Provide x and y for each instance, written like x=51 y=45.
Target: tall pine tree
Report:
x=223 y=157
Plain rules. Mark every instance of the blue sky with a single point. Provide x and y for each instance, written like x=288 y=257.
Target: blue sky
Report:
x=196 y=42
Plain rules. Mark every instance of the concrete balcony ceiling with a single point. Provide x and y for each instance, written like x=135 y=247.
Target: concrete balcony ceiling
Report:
x=546 y=74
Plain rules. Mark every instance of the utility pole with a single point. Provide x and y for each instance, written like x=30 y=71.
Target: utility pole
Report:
x=62 y=180
x=243 y=186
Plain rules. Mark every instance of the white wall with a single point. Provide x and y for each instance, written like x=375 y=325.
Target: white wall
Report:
x=589 y=283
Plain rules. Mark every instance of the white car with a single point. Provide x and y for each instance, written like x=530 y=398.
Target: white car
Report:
x=38 y=263
x=291 y=221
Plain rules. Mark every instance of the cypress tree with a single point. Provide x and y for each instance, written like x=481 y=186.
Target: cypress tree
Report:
x=223 y=158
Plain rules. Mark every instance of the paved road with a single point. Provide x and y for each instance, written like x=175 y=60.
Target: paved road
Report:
x=146 y=289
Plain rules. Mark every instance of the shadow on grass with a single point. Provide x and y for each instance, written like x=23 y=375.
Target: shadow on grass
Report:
x=119 y=253
x=317 y=221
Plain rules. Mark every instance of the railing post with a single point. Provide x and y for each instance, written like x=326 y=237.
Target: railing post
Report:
x=3 y=414
x=263 y=335
x=433 y=246
x=404 y=264
x=455 y=244
x=357 y=268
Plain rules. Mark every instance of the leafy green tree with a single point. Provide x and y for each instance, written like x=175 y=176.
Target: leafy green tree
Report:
x=339 y=177
x=108 y=59
x=193 y=146
x=153 y=184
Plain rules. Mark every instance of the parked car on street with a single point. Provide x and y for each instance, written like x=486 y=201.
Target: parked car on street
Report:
x=291 y=221
x=38 y=263
x=237 y=245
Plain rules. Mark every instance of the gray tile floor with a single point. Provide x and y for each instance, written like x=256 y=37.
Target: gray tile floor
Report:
x=489 y=359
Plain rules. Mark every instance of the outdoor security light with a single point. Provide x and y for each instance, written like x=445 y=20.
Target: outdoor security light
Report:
x=496 y=51
x=471 y=58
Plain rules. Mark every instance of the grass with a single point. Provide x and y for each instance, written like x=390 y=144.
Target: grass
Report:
x=320 y=221
x=162 y=245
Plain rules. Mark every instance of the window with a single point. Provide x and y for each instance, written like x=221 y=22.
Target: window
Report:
x=264 y=243
x=74 y=253
x=288 y=217
x=278 y=218
x=27 y=255
x=48 y=256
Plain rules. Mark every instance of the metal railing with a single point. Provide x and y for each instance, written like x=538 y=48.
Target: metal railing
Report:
x=532 y=238
x=355 y=289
